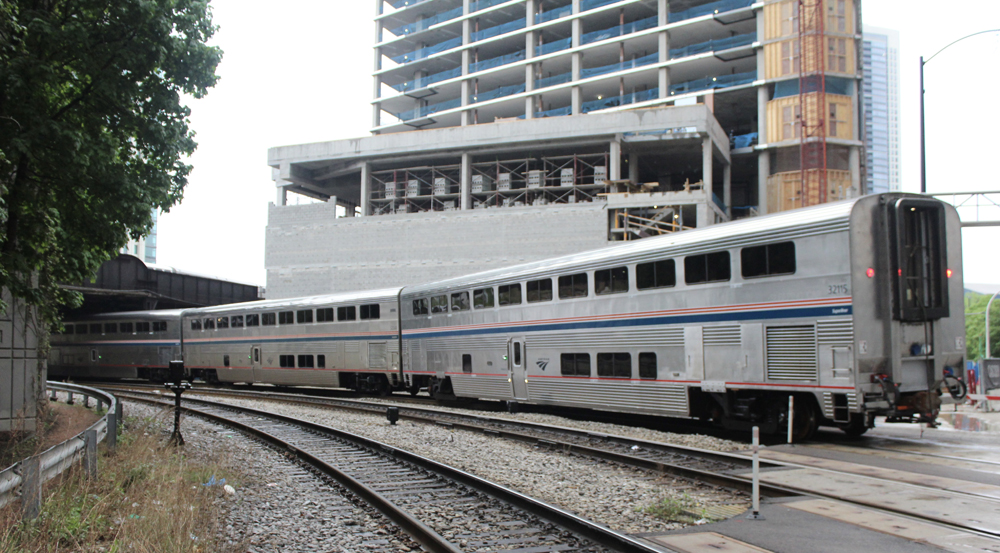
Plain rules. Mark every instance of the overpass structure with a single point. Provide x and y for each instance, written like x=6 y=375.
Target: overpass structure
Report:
x=976 y=209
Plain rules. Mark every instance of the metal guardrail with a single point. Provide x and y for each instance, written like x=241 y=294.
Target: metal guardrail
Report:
x=24 y=479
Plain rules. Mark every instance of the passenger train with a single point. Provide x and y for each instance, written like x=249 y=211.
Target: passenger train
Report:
x=853 y=308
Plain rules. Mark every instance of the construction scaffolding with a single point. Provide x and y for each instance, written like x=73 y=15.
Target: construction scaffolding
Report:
x=812 y=102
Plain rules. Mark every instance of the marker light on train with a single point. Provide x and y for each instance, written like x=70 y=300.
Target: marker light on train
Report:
x=947 y=273
x=870 y=272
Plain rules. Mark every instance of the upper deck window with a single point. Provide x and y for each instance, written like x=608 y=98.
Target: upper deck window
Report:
x=656 y=274
x=286 y=317
x=539 y=290
x=460 y=301
x=324 y=315
x=573 y=286
x=95 y=328
x=81 y=329
x=267 y=319
x=348 y=313
x=371 y=311
x=768 y=260
x=209 y=324
x=482 y=298
x=421 y=306
x=159 y=326
x=439 y=304
x=303 y=316
x=611 y=281
x=253 y=319
x=111 y=328
x=709 y=267
x=195 y=324
x=236 y=321
x=509 y=294
x=144 y=326
x=125 y=328
x=222 y=322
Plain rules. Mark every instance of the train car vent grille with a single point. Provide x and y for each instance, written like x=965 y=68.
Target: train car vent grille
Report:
x=352 y=346
x=791 y=353
x=835 y=332
x=377 y=358
x=728 y=335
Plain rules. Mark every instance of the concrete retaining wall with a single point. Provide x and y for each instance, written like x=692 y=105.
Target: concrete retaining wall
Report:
x=20 y=377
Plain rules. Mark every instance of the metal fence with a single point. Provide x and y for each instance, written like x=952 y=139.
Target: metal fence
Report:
x=24 y=480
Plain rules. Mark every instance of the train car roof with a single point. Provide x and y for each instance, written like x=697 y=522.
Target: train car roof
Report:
x=361 y=296
x=778 y=226
x=152 y=315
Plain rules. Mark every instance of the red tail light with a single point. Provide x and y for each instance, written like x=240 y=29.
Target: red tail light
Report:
x=870 y=272
x=948 y=273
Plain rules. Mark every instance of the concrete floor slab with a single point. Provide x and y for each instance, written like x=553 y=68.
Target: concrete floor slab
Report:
x=979 y=460
x=705 y=542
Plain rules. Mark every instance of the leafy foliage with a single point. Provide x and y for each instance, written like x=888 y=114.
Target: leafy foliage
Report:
x=975 y=326
x=93 y=130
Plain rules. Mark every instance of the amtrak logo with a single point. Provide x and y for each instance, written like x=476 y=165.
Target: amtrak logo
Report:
x=542 y=363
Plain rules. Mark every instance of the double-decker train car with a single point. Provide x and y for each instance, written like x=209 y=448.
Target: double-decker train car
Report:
x=854 y=308
x=346 y=340
x=137 y=344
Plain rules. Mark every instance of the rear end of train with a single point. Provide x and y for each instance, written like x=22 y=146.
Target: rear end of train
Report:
x=909 y=321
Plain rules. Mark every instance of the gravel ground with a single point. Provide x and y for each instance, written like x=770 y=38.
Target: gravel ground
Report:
x=278 y=506
x=605 y=493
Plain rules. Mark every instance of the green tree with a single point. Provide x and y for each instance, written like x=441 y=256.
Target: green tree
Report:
x=975 y=326
x=93 y=130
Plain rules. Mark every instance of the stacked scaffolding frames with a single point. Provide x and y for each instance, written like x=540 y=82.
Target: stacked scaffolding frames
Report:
x=812 y=102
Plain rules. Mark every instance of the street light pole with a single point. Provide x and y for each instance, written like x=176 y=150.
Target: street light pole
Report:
x=923 y=158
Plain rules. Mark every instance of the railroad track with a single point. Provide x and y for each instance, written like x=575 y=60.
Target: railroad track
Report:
x=721 y=469
x=443 y=509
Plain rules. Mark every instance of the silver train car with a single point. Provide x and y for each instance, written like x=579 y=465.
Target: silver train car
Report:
x=346 y=340
x=137 y=344
x=853 y=308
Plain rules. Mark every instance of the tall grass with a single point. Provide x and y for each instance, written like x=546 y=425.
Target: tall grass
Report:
x=147 y=497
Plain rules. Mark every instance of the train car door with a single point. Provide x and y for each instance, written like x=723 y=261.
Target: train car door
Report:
x=256 y=363
x=516 y=367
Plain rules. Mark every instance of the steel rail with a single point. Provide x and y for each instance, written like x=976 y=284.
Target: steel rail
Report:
x=562 y=518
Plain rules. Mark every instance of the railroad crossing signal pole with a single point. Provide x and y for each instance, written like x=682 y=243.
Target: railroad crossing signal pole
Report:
x=178 y=386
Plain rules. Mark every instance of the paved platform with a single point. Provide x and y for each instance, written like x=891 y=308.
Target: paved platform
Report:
x=971 y=419
x=800 y=525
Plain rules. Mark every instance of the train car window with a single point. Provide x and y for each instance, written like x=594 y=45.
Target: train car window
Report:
x=656 y=274
x=509 y=294
x=111 y=328
x=95 y=329
x=222 y=322
x=769 y=260
x=517 y=354
x=236 y=321
x=306 y=361
x=325 y=315
x=253 y=320
x=68 y=329
x=286 y=317
x=572 y=286
x=539 y=290
x=709 y=267
x=420 y=307
x=159 y=326
x=304 y=316
x=482 y=298
x=611 y=281
x=348 y=313
x=195 y=324
x=574 y=364
x=647 y=365
x=439 y=304
x=81 y=329
x=466 y=363
x=321 y=361
x=144 y=327
x=267 y=319
x=614 y=365
x=225 y=360
x=125 y=328
x=460 y=301
x=286 y=361
x=371 y=311
x=209 y=324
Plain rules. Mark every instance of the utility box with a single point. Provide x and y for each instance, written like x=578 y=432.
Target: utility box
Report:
x=503 y=181
x=536 y=179
x=481 y=183
x=440 y=186
x=390 y=190
x=567 y=177
x=600 y=174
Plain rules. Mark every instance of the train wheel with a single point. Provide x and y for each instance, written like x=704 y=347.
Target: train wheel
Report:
x=856 y=427
x=806 y=422
x=414 y=389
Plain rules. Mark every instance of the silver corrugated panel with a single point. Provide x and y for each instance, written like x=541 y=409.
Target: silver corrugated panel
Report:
x=496 y=387
x=835 y=332
x=623 y=395
x=852 y=403
x=352 y=346
x=377 y=357
x=728 y=335
x=464 y=343
x=791 y=353
x=661 y=336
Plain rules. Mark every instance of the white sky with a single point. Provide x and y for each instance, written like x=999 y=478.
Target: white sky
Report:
x=300 y=72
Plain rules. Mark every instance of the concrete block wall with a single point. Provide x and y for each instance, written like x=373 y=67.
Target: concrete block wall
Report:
x=309 y=251
x=21 y=370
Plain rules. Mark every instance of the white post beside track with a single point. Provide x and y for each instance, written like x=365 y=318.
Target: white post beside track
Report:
x=756 y=476
x=791 y=416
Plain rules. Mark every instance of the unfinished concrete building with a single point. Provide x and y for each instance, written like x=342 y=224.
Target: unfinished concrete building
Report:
x=511 y=130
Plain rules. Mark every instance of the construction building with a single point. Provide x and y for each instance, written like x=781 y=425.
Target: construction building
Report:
x=512 y=130
x=880 y=62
